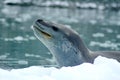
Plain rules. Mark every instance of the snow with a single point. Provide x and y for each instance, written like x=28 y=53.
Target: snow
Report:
x=102 y=69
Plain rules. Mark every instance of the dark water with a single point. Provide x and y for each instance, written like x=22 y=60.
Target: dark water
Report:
x=100 y=30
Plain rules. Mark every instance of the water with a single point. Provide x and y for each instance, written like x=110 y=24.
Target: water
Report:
x=100 y=30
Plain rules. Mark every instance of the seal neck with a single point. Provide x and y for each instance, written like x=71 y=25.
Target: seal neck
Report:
x=85 y=52
x=78 y=43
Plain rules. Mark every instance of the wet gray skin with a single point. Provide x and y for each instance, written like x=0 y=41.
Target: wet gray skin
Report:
x=66 y=45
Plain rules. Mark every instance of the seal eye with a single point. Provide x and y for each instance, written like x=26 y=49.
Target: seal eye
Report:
x=54 y=28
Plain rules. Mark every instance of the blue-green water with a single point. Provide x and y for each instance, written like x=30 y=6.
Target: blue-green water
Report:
x=100 y=30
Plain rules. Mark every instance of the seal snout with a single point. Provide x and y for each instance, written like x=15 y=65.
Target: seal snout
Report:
x=39 y=20
x=39 y=23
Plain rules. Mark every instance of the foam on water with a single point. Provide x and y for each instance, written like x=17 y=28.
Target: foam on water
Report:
x=106 y=44
x=19 y=38
x=98 y=35
x=66 y=4
x=57 y=3
x=118 y=36
x=102 y=69
x=15 y=1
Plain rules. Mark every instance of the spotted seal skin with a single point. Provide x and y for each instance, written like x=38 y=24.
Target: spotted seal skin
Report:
x=66 y=45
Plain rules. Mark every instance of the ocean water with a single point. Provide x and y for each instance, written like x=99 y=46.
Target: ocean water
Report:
x=19 y=48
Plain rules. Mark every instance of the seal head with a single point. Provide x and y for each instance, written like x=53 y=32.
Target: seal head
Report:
x=65 y=44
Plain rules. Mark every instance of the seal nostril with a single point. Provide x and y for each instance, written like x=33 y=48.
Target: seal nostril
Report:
x=54 y=28
x=39 y=20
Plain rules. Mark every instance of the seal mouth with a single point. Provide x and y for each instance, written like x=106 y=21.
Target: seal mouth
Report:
x=45 y=34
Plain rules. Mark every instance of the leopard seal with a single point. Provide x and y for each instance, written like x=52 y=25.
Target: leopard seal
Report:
x=66 y=45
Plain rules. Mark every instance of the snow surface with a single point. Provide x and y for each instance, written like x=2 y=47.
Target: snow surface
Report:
x=102 y=69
